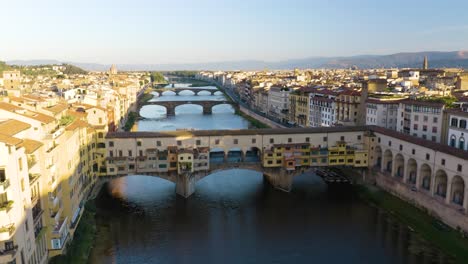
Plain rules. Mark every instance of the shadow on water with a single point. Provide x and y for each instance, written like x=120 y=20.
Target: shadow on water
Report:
x=236 y=217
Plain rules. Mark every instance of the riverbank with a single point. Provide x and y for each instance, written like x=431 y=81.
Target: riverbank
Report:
x=83 y=240
x=448 y=240
x=252 y=121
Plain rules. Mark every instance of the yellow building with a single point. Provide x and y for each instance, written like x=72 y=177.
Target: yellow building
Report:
x=299 y=107
x=291 y=156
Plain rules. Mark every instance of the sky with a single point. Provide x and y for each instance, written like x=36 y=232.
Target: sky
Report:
x=194 y=31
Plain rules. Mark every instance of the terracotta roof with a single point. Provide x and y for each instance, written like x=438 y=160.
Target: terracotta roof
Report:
x=77 y=124
x=422 y=142
x=45 y=119
x=56 y=109
x=31 y=145
x=12 y=141
x=12 y=127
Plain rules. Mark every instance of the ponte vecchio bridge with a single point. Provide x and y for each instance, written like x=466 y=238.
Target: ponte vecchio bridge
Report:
x=432 y=174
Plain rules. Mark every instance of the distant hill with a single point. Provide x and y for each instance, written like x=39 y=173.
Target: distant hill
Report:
x=437 y=59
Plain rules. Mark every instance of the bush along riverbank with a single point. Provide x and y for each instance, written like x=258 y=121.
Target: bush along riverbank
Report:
x=83 y=240
x=450 y=241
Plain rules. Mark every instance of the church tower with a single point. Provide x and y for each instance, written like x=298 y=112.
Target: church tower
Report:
x=113 y=69
x=425 y=63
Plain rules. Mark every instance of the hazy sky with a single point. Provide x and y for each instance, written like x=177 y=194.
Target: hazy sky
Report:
x=177 y=31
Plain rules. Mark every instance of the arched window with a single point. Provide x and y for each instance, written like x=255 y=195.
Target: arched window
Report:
x=453 y=141
x=461 y=143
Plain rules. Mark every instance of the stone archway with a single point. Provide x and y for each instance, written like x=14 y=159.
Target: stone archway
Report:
x=378 y=157
x=399 y=169
x=458 y=190
x=388 y=161
x=412 y=168
x=440 y=185
x=425 y=175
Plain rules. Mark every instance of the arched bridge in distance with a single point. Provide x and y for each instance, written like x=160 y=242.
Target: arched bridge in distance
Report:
x=207 y=105
x=179 y=90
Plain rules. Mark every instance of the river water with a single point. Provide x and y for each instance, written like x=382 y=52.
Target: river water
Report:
x=235 y=217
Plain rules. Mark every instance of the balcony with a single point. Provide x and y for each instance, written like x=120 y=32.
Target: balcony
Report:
x=33 y=177
x=56 y=215
x=7 y=254
x=7 y=231
x=60 y=226
x=4 y=185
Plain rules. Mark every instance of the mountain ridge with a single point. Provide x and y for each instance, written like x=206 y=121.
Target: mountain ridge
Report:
x=437 y=59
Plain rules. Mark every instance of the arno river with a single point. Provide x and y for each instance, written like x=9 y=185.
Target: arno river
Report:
x=235 y=217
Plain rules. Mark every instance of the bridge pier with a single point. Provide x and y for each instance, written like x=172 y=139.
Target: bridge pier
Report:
x=280 y=178
x=170 y=111
x=207 y=110
x=185 y=184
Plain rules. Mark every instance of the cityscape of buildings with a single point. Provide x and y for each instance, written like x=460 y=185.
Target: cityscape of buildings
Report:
x=55 y=143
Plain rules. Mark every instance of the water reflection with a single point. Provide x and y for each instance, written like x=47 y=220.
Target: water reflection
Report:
x=235 y=217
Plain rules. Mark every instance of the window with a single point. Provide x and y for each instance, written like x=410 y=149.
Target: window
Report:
x=289 y=140
x=424 y=128
x=416 y=117
x=307 y=139
x=389 y=143
x=415 y=127
x=424 y=136
x=179 y=143
x=236 y=141
x=454 y=122
x=426 y=118
x=158 y=143
x=459 y=167
x=461 y=143
x=442 y=162
x=342 y=138
x=435 y=119
x=20 y=164
x=325 y=139
x=129 y=153
x=111 y=153
x=254 y=140
x=139 y=143
x=111 y=143
x=463 y=123
x=359 y=137
x=100 y=120
x=120 y=153
x=141 y=153
x=428 y=156
x=272 y=141
x=198 y=142
x=378 y=140
x=434 y=138
x=401 y=147
x=217 y=142
x=100 y=135
x=434 y=129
